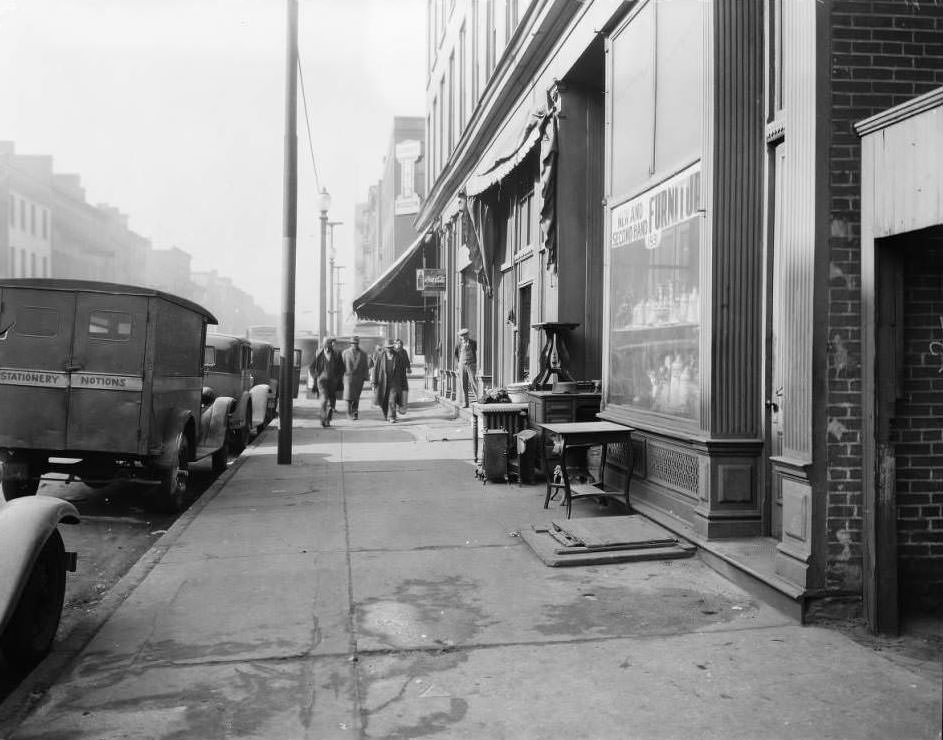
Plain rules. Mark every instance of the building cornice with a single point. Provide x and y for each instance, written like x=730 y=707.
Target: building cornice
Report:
x=925 y=102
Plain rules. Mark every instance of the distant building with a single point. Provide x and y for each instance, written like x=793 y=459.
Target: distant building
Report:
x=386 y=232
x=25 y=214
x=49 y=229
x=233 y=307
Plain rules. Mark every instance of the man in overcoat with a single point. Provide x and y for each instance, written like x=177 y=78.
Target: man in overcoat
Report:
x=389 y=381
x=408 y=363
x=328 y=372
x=356 y=370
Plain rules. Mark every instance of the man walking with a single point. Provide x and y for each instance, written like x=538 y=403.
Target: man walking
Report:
x=356 y=368
x=466 y=359
x=389 y=380
x=328 y=372
x=408 y=365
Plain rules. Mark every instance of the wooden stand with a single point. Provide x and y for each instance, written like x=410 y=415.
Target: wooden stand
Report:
x=554 y=359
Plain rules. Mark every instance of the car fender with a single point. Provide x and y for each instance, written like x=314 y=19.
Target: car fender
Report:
x=260 y=400
x=238 y=420
x=25 y=525
x=214 y=422
x=175 y=425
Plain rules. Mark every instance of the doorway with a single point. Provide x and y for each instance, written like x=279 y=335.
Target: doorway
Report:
x=907 y=393
x=522 y=371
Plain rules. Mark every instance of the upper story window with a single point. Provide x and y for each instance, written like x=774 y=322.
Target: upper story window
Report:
x=452 y=86
x=474 y=54
x=510 y=19
x=32 y=219
x=775 y=59
x=490 y=37
x=22 y=214
x=45 y=215
x=12 y=210
x=461 y=77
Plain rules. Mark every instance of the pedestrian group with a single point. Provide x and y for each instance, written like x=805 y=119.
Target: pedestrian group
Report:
x=345 y=373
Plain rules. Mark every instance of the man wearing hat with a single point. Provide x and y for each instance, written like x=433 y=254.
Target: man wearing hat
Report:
x=356 y=368
x=389 y=380
x=466 y=359
x=328 y=371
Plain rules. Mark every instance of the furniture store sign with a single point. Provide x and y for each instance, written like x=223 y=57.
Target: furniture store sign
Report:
x=643 y=219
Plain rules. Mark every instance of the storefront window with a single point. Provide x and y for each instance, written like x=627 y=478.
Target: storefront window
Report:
x=633 y=108
x=655 y=299
x=679 y=55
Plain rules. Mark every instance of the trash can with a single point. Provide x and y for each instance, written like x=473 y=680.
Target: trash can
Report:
x=526 y=455
x=495 y=455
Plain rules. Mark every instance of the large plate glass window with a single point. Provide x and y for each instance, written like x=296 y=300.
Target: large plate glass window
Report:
x=655 y=87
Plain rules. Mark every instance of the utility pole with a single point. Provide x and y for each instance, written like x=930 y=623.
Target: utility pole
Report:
x=286 y=368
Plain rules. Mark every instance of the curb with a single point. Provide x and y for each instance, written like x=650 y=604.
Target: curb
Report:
x=23 y=699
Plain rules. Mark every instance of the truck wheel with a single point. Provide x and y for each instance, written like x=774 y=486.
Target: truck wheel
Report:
x=221 y=456
x=32 y=628
x=171 y=494
x=240 y=437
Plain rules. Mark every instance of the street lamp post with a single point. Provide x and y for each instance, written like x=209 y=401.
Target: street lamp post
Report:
x=324 y=203
x=335 y=278
x=331 y=328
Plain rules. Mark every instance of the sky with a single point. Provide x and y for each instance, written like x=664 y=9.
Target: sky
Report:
x=173 y=111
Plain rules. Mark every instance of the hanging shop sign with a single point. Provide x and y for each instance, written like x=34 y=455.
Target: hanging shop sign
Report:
x=645 y=218
x=430 y=280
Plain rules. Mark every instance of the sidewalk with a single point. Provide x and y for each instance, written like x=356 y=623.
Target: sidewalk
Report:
x=375 y=589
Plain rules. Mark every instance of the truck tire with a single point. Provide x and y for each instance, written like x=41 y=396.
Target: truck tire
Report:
x=221 y=456
x=171 y=495
x=32 y=628
x=240 y=437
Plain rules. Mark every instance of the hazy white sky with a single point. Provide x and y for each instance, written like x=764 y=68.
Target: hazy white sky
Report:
x=173 y=111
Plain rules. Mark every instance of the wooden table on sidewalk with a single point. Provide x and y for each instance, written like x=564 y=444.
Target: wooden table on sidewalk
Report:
x=583 y=435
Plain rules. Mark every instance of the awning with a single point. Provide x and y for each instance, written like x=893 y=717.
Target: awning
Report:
x=505 y=164
x=393 y=295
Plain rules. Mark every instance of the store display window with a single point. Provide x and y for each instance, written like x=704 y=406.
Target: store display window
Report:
x=655 y=299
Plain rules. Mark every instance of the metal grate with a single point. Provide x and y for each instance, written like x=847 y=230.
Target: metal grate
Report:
x=673 y=467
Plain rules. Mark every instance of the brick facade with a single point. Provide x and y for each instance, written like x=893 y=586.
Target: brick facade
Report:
x=917 y=432
x=882 y=54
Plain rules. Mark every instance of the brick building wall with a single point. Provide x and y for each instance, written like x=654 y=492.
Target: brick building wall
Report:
x=882 y=54
x=917 y=432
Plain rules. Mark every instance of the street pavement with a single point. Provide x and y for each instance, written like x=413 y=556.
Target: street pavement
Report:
x=374 y=588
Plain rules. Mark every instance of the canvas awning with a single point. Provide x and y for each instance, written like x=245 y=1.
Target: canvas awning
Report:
x=393 y=295
x=505 y=163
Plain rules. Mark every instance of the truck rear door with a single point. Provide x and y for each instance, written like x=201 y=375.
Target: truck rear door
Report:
x=107 y=382
x=35 y=353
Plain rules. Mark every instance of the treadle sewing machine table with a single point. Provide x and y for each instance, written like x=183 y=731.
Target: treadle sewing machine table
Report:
x=584 y=435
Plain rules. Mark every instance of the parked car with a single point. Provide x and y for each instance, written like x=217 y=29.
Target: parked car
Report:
x=227 y=362
x=103 y=381
x=264 y=369
x=33 y=565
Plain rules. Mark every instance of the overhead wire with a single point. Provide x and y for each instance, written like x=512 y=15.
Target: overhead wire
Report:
x=304 y=100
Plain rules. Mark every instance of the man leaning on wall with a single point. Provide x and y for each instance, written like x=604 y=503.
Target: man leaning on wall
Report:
x=466 y=360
